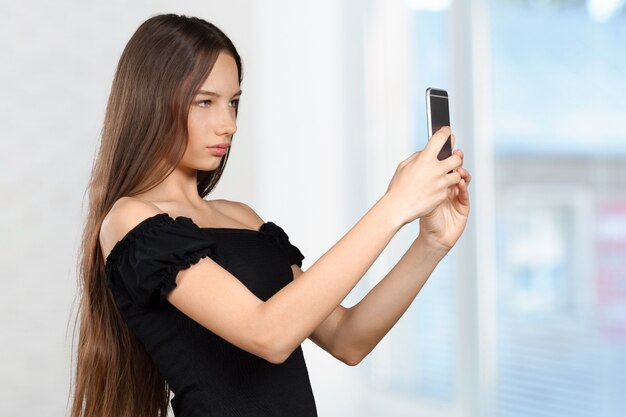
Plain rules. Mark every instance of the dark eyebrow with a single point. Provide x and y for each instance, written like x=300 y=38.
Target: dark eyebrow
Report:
x=211 y=93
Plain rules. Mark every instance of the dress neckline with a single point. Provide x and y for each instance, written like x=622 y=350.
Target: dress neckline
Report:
x=175 y=219
x=212 y=228
x=165 y=217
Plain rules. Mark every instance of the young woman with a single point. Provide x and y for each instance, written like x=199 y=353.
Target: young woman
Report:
x=204 y=297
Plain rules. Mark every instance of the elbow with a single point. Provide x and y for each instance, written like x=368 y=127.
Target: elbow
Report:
x=345 y=353
x=275 y=356
x=270 y=342
x=273 y=351
x=353 y=360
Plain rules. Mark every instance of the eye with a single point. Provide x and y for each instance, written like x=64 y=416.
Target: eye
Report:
x=235 y=103
x=201 y=102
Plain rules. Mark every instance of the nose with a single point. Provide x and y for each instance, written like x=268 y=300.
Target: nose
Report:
x=227 y=122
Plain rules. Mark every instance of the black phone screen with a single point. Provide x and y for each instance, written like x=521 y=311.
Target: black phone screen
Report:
x=440 y=116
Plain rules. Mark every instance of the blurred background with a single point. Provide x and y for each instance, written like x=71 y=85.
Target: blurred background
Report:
x=526 y=316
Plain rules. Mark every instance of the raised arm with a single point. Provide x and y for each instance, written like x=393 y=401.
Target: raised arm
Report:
x=217 y=300
x=419 y=185
x=294 y=312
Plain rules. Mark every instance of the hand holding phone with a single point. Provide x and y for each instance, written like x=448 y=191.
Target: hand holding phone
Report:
x=416 y=188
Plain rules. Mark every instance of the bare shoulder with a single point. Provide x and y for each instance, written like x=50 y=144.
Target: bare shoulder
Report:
x=126 y=213
x=240 y=211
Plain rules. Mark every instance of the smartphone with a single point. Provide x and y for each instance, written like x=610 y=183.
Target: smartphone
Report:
x=438 y=115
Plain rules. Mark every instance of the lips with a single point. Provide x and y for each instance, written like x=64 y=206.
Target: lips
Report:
x=217 y=151
x=221 y=146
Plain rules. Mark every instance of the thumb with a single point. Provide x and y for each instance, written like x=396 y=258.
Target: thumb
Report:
x=436 y=142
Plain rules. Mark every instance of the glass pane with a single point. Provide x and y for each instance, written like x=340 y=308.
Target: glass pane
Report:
x=559 y=120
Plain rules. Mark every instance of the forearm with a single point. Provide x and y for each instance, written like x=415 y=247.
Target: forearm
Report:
x=366 y=323
x=294 y=312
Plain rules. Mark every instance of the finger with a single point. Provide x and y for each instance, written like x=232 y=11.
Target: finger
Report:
x=436 y=142
x=463 y=193
x=464 y=173
x=453 y=139
x=468 y=176
x=451 y=192
x=452 y=178
x=452 y=163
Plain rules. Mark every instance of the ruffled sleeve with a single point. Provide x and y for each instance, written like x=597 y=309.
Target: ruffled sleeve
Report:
x=142 y=267
x=277 y=235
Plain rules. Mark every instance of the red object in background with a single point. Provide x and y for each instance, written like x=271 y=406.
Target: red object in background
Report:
x=611 y=271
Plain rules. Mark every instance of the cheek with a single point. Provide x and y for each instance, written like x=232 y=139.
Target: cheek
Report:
x=196 y=128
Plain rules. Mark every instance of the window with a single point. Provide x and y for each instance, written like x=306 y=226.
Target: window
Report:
x=535 y=323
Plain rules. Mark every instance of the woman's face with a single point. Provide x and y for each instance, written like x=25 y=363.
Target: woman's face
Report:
x=212 y=120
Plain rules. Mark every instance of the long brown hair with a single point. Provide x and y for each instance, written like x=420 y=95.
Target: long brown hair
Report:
x=143 y=138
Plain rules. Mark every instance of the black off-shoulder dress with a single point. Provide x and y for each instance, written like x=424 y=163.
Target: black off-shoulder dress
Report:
x=208 y=375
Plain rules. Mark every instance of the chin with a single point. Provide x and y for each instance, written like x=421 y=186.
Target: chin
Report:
x=208 y=166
